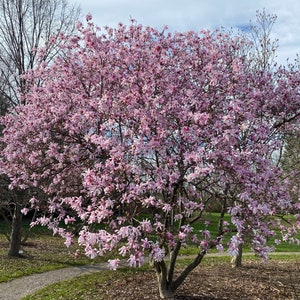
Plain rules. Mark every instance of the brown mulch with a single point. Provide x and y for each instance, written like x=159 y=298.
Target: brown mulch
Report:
x=254 y=280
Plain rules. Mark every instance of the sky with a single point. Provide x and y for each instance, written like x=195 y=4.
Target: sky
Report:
x=184 y=15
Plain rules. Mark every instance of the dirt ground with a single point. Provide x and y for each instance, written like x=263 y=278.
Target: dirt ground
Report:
x=255 y=280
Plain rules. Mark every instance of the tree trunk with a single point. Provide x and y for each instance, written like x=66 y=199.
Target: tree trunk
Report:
x=164 y=286
x=15 y=236
x=236 y=261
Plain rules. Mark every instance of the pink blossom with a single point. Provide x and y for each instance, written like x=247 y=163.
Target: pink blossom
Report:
x=207 y=223
x=113 y=264
x=236 y=66
x=69 y=220
x=24 y=210
x=68 y=241
x=146 y=226
x=181 y=235
x=146 y=244
x=159 y=226
x=133 y=261
x=90 y=252
x=204 y=245
x=220 y=247
x=178 y=217
x=88 y=17
x=195 y=238
x=234 y=243
x=123 y=250
x=157 y=254
x=206 y=234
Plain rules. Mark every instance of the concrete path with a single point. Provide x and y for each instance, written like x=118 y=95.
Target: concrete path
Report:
x=21 y=287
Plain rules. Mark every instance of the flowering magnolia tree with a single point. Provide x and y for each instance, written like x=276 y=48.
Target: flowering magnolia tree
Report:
x=137 y=133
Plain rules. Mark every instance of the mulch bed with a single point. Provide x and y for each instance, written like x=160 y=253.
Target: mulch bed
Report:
x=254 y=280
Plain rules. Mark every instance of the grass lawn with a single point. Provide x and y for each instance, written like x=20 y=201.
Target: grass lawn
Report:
x=90 y=287
x=42 y=252
x=213 y=218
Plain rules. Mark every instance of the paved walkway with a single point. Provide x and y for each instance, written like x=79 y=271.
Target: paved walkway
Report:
x=23 y=286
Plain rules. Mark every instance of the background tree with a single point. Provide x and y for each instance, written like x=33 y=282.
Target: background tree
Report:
x=289 y=157
x=291 y=163
x=26 y=25
x=260 y=53
x=132 y=121
x=263 y=48
x=4 y=180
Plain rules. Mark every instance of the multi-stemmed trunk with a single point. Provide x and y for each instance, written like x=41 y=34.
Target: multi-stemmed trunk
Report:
x=167 y=286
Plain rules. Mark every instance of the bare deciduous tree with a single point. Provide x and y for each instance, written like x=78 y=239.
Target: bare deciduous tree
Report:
x=263 y=53
x=26 y=25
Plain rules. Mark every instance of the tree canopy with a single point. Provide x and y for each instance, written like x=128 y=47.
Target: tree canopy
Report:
x=136 y=133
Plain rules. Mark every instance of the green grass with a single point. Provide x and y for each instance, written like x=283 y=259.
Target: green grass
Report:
x=213 y=228
x=92 y=286
x=83 y=287
x=40 y=255
x=42 y=252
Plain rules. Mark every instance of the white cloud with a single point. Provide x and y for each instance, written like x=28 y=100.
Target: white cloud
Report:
x=182 y=15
